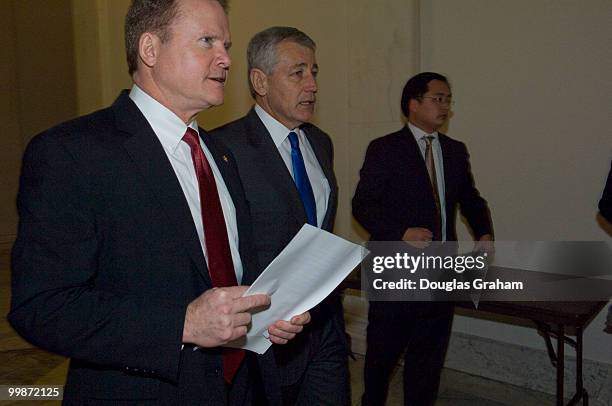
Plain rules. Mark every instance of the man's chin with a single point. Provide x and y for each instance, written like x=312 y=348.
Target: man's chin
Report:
x=215 y=102
x=305 y=116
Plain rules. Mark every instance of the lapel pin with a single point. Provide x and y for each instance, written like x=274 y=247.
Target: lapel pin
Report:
x=225 y=158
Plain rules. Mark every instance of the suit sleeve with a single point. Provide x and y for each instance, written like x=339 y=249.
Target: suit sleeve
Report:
x=471 y=204
x=605 y=204
x=330 y=148
x=370 y=206
x=333 y=201
x=56 y=303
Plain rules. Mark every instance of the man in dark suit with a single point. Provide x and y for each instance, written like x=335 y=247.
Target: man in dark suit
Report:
x=134 y=230
x=410 y=186
x=286 y=167
x=605 y=209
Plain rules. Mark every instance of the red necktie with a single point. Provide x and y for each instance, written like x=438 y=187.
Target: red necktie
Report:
x=220 y=265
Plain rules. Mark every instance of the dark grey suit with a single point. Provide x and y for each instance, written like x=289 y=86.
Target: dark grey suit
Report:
x=107 y=259
x=316 y=361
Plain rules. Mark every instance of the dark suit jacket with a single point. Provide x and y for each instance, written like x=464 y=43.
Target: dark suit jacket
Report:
x=394 y=191
x=107 y=259
x=278 y=212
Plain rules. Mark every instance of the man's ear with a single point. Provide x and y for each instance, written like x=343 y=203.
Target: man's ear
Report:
x=148 y=48
x=413 y=105
x=259 y=81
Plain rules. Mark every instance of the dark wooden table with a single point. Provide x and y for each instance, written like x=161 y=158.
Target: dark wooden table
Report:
x=553 y=320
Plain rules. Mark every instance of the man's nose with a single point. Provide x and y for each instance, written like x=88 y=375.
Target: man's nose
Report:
x=224 y=59
x=311 y=84
x=445 y=105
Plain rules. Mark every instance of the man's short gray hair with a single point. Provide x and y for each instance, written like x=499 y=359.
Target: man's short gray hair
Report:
x=262 y=53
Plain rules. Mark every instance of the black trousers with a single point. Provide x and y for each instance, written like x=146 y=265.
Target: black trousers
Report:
x=313 y=368
x=422 y=330
x=326 y=380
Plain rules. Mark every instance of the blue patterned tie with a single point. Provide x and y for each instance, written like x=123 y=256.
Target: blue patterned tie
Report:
x=301 y=180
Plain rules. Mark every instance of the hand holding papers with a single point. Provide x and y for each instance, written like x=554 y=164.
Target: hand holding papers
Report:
x=310 y=267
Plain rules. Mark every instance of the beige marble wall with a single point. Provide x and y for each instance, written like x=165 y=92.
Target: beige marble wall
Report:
x=45 y=64
x=38 y=87
x=87 y=58
x=383 y=54
x=10 y=144
x=99 y=52
x=533 y=90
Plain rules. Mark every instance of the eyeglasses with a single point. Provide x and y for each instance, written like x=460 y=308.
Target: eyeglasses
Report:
x=440 y=100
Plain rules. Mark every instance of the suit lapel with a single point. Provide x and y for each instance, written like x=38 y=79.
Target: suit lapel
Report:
x=328 y=171
x=447 y=162
x=272 y=165
x=223 y=164
x=157 y=173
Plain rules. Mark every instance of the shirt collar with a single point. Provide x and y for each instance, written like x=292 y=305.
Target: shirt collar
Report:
x=419 y=134
x=277 y=131
x=168 y=127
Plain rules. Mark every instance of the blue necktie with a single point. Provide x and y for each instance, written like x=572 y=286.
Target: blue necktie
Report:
x=301 y=180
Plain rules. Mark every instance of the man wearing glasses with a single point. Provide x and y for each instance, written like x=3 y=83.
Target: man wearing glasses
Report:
x=410 y=185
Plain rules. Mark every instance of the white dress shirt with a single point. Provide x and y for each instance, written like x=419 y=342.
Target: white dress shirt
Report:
x=419 y=136
x=170 y=129
x=318 y=181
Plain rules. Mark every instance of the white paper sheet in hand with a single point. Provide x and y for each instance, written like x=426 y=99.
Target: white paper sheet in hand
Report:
x=310 y=267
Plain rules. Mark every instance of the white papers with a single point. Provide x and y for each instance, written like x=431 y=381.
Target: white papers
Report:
x=310 y=267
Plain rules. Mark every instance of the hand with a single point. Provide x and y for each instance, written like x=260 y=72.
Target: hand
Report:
x=220 y=315
x=486 y=245
x=282 y=331
x=418 y=237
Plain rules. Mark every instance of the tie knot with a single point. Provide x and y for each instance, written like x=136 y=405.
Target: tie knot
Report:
x=293 y=139
x=191 y=137
x=428 y=139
